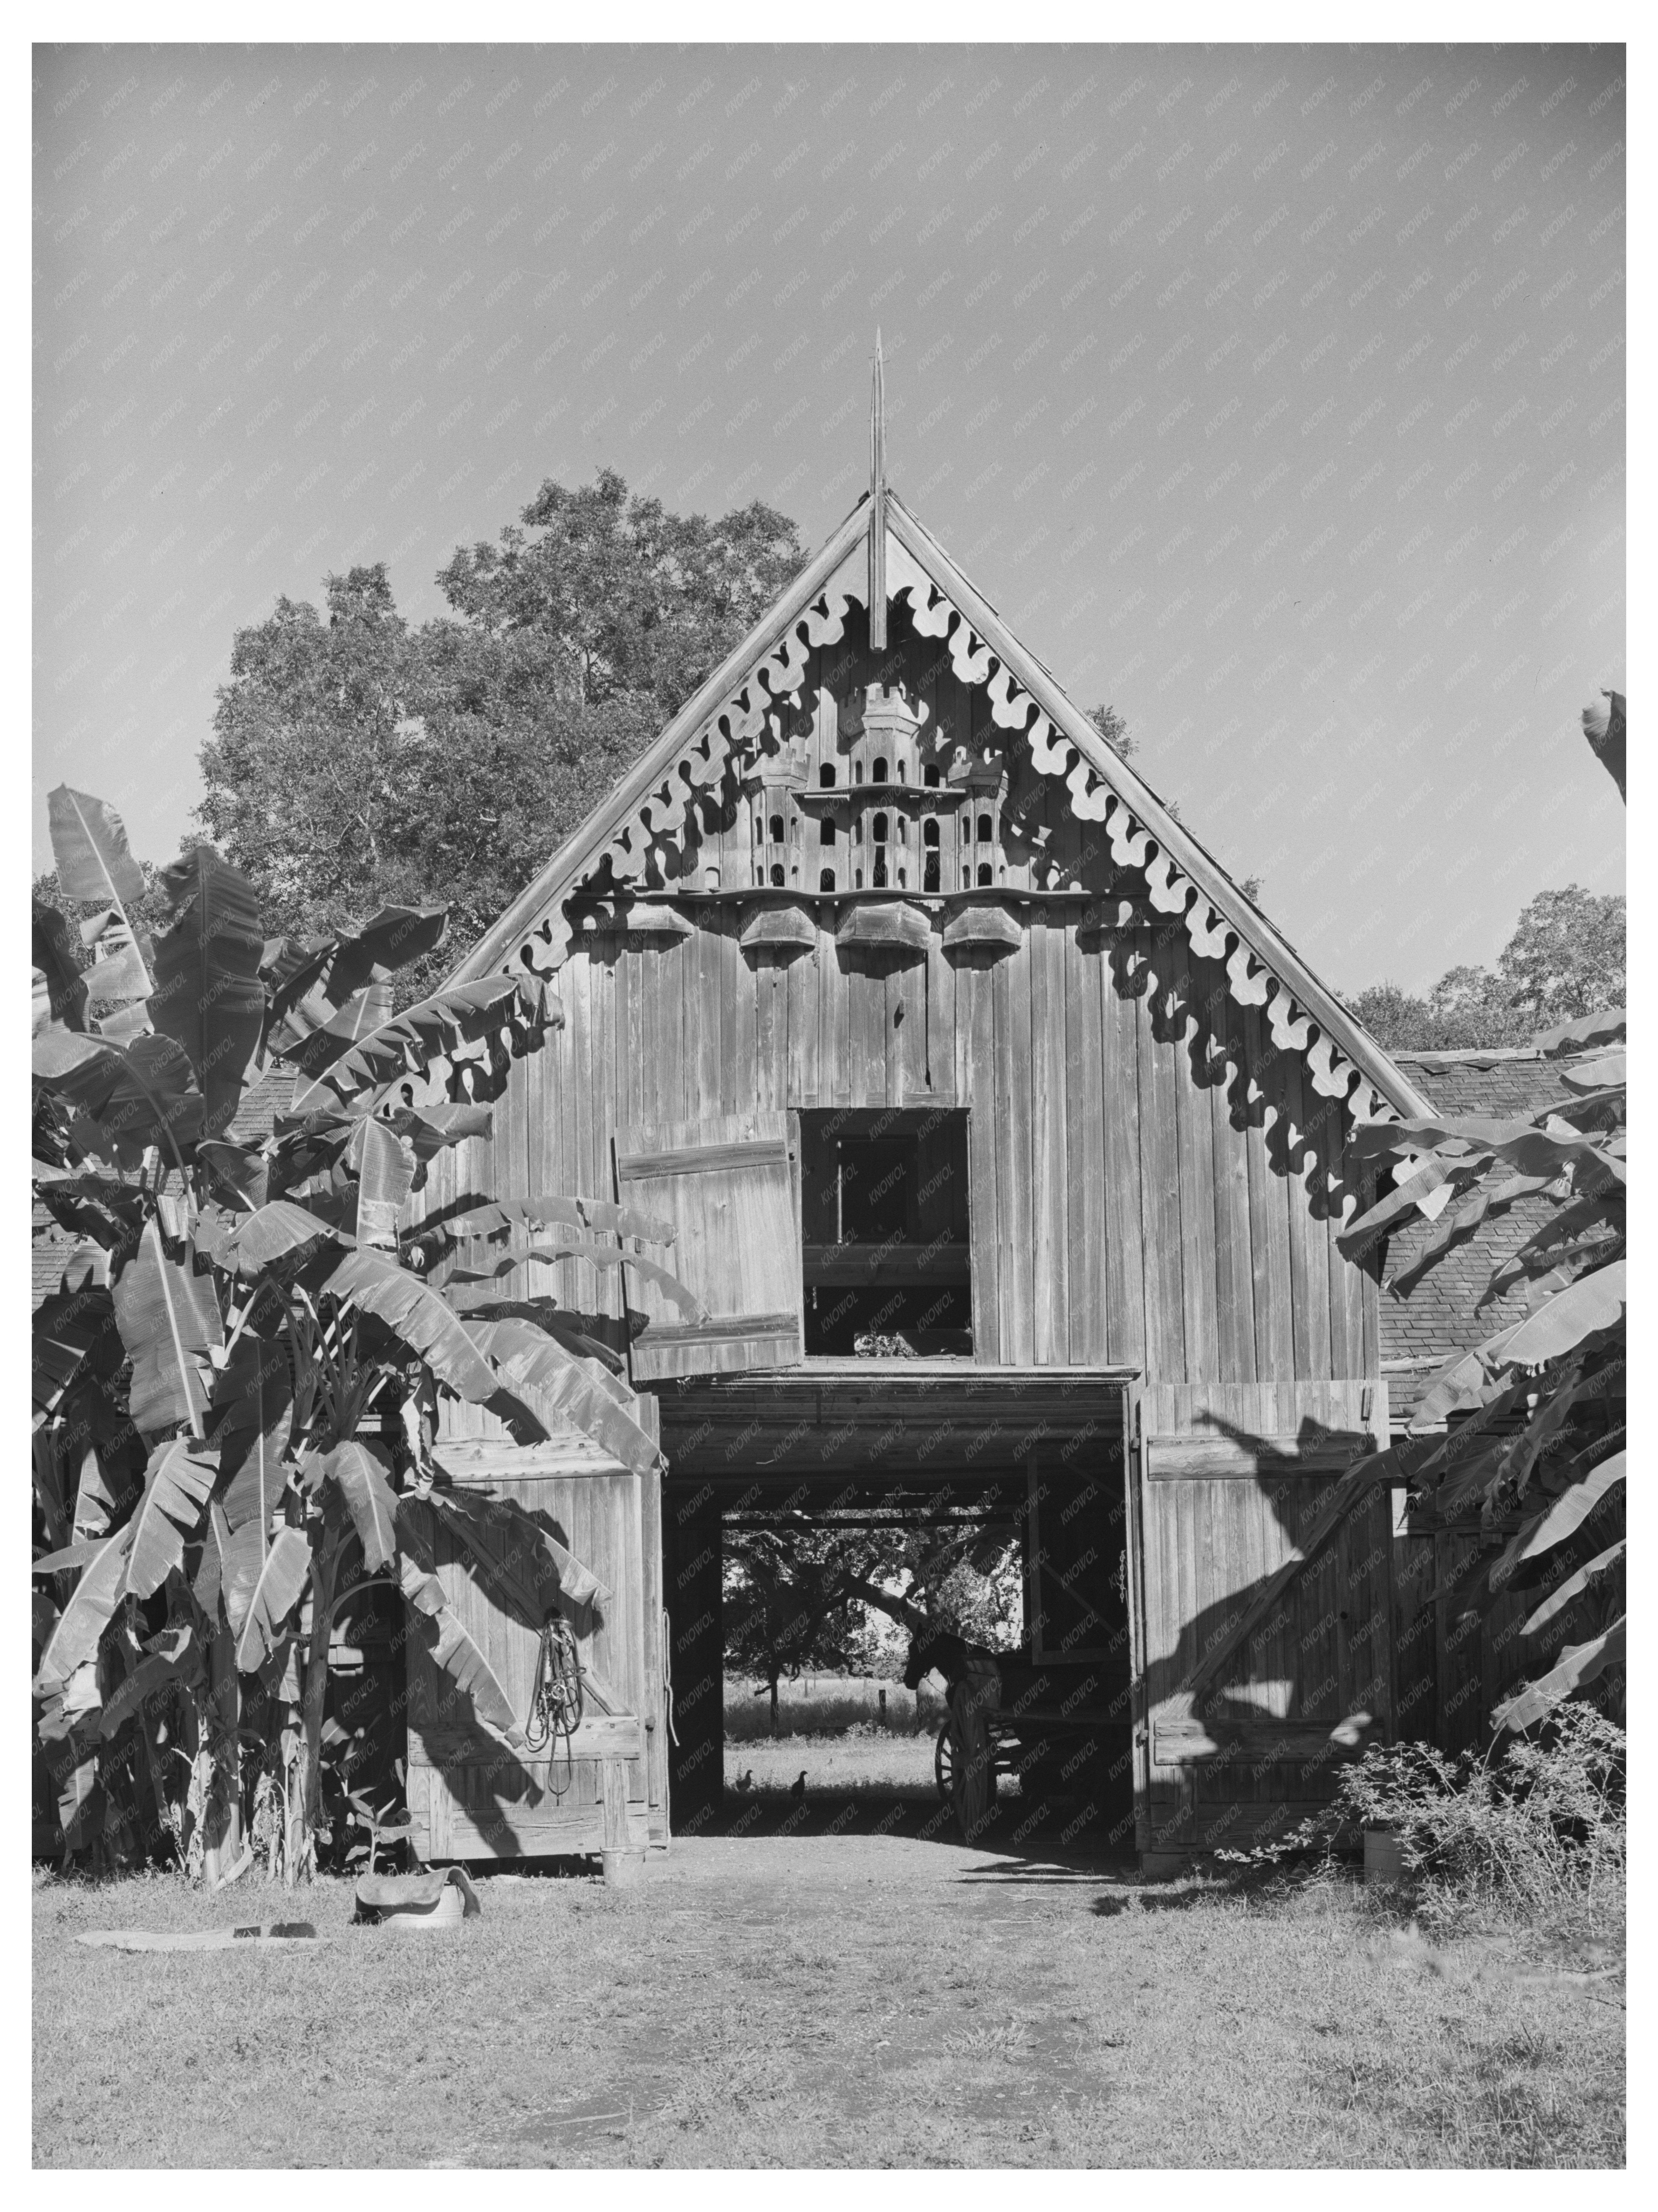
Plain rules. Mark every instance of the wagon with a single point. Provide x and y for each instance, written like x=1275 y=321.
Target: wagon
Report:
x=1007 y=1714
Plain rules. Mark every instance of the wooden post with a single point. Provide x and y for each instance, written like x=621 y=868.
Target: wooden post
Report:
x=624 y=1863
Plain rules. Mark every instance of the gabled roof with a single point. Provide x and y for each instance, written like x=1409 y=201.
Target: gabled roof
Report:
x=881 y=542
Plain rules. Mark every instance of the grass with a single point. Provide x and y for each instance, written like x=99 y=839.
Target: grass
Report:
x=851 y=1763
x=828 y=1703
x=823 y=2001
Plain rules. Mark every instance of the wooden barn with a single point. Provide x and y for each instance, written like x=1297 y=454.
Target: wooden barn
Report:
x=1005 y=1141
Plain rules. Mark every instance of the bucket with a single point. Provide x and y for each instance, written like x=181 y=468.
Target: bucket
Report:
x=442 y=1898
x=623 y=1869
x=1384 y=1856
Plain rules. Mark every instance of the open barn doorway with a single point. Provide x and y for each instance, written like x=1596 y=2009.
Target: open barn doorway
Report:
x=946 y=1631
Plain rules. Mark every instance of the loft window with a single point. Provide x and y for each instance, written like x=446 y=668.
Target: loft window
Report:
x=776 y=829
x=826 y=833
x=878 y=772
x=776 y=877
x=984 y=872
x=930 y=863
x=858 y=771
x=930 y=776
x=902 y=777
x=878 y=834
x=884 y=1231
x=826 y=776
x=826 y=879
x=984 y=828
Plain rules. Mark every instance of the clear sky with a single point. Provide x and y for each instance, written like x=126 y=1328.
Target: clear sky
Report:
x=1275 y=394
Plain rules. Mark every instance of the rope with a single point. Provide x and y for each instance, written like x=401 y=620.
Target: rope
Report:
x=555 y=1700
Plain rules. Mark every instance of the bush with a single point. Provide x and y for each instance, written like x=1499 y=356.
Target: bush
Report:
x=1545 y=1829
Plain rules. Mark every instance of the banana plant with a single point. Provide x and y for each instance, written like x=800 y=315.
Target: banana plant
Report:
x=1528 y=1424
x=235 y=1387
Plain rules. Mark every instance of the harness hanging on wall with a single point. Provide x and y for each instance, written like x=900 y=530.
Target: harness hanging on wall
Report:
x=555 y=1698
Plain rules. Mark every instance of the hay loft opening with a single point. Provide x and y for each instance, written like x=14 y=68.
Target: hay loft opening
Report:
x=884 y=1232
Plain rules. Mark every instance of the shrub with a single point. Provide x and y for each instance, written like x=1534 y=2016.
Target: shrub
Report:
x=1543 y=1830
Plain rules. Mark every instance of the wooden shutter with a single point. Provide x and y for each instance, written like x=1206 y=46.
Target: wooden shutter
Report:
x=727 y=1187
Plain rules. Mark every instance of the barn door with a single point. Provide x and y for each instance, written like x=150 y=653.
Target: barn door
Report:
x=727 y=1186
x=1266 y=1628
x=472 y=1793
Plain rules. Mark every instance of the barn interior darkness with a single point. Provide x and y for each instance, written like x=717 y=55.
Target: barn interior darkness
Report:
x=1061 y=1512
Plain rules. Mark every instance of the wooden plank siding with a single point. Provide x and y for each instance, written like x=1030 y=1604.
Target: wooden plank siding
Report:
x=1145 y=1190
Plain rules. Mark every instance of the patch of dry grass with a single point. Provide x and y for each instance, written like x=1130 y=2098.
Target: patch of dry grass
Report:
x=820 y=2001
x=862 y=1760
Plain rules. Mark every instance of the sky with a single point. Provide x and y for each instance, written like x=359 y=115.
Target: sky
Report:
x=1274 y=394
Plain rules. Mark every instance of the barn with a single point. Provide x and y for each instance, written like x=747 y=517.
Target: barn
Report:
x=1006 y=1143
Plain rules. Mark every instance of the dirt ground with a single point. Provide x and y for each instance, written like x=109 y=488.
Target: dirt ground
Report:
x=816 y=1999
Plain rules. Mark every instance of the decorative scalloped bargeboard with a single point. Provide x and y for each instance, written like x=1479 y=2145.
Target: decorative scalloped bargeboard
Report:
x=926 y=770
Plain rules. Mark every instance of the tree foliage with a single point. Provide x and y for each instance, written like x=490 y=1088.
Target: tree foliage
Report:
x=1565 y=958
x=357 y=760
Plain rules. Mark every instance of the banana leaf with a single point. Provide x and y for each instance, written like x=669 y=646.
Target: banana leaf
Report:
x=156 y=1673
x=316 y=1031
x=251 y=1418
x=277 y=1591
x=1562 y=1518
x=1574 y=1586
x=560 y=1390
x=169 y=1319
x=388 y=941
x=1577 y=1664
x=419 y=1315
x=369 y=1500
x=239 y=1170
x=89 y=844
x=433 y=1129
x=208 y=994
x=434 y=1027
x=127 y=1096
x=91 y=1607
x=271 y=1233
x=385 y=1175
x=1609 y=1073
x=1609 y=1027
x=1593 y=1303
x=177 y=1485
x=56 y=960
x=1463 y=1222
x=72 y=1331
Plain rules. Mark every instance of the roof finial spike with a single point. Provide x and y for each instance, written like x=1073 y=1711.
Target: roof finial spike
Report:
x=877 y=503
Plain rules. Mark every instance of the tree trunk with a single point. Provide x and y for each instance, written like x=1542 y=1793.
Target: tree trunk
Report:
x=773 y=1686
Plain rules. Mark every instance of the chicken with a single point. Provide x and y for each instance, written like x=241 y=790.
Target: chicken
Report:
x=797 y=1788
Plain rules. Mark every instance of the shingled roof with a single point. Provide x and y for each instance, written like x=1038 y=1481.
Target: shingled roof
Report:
x=1420 y=1331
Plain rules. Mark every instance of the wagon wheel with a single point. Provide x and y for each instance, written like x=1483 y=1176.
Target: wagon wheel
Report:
x=968 y=1762
x=944 y=1764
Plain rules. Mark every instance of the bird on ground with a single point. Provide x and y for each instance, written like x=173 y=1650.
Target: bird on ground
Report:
x=797 y=1788
x=744 y=1780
